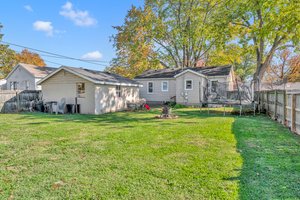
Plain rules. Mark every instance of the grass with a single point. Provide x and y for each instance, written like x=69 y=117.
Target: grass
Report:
x=134 y=156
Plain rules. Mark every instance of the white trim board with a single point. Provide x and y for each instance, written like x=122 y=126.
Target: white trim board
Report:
x=191 y=71
x=148 y=87
x=192 y=84
x=162 y=86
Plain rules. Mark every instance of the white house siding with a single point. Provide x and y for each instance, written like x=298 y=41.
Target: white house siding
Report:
x=158 y=95
x=63 y=85
x=2 y=84
x=20 y=75
x=194 y=96
x=106 y=99
x=37 y=87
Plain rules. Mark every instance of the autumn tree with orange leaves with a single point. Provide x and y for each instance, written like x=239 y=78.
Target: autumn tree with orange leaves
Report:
x=284 y=68
x=28 y=57
x=134 y=50
x=294 y=75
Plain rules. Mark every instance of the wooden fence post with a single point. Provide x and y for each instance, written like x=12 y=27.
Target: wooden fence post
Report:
x=284 y=107
x=261 y=101
x=275 y=104
x=293 y=120
x=18 y=102
x=268 y=108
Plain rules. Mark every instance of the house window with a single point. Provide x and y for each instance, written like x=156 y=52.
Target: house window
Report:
x=26 y=85
x=150 y=87
x=80 y=89
x=164 y=86
x=118 y=91
x=188 y=84
x=214 y=86
x=14 y=85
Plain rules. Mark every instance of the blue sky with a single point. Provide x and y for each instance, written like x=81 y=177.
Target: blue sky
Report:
x=76 y=28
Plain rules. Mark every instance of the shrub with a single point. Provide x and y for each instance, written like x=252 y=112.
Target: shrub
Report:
x=177 y=106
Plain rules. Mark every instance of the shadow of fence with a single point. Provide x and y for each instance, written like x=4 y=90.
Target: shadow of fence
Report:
x=16 y=101
x=270 y=159
x=282 y=106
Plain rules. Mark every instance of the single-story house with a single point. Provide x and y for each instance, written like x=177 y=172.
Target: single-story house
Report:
x=95 y=92
x=2 y=84
x=284 y=86
x=25 y=77
x=191 y=86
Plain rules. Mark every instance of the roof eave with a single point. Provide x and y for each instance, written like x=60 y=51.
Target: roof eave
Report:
x=121 y=84
x=189 y=70
x=84 y=77
x=168 y=78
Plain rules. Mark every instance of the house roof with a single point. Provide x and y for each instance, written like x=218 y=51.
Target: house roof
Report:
x=97 y=77
x=171 y=72
x=36 y=71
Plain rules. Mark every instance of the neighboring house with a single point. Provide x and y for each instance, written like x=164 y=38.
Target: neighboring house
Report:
x=96 y=92
x=2 y=84
x=25 y=77
x=191 y=86
x=285 y=86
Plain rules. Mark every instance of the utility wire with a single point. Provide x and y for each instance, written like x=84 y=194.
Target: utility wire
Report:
x=59 y=64
x=55 y=55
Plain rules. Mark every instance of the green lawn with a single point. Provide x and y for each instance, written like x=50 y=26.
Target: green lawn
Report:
x=131 y=155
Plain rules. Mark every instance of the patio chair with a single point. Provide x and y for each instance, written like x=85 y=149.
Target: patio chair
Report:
x=61 y=106
x=31 y=106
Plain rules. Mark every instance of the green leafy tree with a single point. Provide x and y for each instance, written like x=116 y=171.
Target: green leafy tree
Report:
x=7 y=58
x=241 y=57
x=184 y=31
x=133 y=48
x=268 y=25
x=168 y=33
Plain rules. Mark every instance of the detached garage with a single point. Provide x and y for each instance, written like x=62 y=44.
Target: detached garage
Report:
x=95 y=92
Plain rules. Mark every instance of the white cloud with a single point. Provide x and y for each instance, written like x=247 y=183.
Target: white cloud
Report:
x=60 y=31
x=94 y=55
x=44 y=27
x=78 y=17
x=28 y=8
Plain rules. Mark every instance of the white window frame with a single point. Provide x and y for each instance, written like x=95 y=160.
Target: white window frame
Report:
x=162 y=86
x=80 y=95
x=210 y=84
x=186 y=84
x=148 y=87
x=14 y=85
x=27 y=85
x=118 y=91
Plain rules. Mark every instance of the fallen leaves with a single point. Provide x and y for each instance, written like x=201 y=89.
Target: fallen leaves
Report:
x=58 y=184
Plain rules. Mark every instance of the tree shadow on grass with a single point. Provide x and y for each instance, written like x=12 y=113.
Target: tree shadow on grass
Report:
x=104 y=119
x=271 y=159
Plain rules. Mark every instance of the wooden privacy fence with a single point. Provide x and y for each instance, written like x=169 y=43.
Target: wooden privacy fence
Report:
x=15 y=101
x=283 y=106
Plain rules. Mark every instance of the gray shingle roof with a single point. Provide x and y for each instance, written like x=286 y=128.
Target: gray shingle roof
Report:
x=100 y=76
x=36 y=71
x=170 y=73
